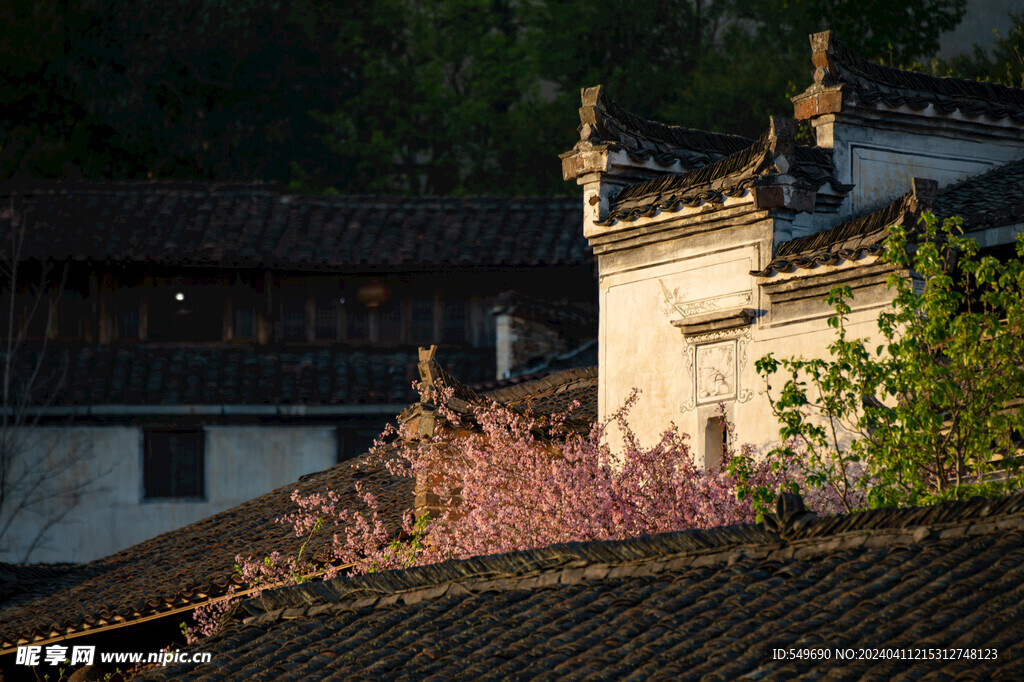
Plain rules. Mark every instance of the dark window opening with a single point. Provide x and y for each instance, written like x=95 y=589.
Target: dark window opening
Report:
x=715 y=442
x=327 y=319
x=293 y=319
x=244 y=323
x=354 y=441
x=128 y=323
x=186 y=313
x=70 y=314
x=489 y=324
x=390 y=322
x=422 y=320
x=454 y=321
x=37 y=316
x=173 y=464
x=357 y=327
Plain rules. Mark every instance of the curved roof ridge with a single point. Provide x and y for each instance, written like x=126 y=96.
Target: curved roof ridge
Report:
x=602 y=120
x=786 y=534
x=894 y=86
x=848 y=240
x=678 y=182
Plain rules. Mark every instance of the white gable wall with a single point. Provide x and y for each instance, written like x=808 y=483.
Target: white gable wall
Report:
x=679 y=271
x=241 y=462
x=880 y=154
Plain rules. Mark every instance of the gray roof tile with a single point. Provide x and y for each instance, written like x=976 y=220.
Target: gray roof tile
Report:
x=264 y=226
x=177 y=374
x=691 y=605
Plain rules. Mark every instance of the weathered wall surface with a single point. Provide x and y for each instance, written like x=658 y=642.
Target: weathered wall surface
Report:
x=881 y=160
x=684 y=376
x=241 y=462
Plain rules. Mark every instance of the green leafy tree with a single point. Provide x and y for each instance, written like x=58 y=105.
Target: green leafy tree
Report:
x=932 y=412
x=723 y=66
x=450 y=102
x=206 y=89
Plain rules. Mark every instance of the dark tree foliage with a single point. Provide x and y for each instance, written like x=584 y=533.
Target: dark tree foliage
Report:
x=439 y=97
x=1004 y=63
x=211 y=89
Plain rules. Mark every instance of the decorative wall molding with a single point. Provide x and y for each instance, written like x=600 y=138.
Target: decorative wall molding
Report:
x=721 y=321
x=673 y=304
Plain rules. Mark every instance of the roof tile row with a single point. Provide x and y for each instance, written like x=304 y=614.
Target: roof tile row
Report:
x=262 y=225
x=153 y=374
x=695 y=605
x=895 y=87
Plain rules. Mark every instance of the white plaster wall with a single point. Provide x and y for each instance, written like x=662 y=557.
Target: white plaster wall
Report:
x=642 y=290
x=755 y=422
x=242 y=462
x=881 y=163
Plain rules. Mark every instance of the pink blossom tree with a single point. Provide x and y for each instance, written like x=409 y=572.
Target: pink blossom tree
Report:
x=507 y=479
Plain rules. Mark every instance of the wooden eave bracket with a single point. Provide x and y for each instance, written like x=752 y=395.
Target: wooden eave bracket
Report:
x=719 y=320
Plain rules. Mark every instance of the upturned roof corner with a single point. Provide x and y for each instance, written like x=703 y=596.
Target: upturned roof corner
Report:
x=843 y=80
x=613 y=139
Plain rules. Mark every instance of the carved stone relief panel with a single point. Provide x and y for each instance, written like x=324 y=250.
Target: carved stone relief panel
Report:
x=714 y=366
x=716 y=372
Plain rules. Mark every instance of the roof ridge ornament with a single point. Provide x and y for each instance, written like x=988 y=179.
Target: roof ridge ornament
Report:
x=923 y=192
x=790 y=516
x=782 y=142
x=823 y=57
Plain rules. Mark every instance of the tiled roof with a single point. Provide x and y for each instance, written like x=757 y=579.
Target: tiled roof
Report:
x=154 y=374
x=187 y=566
x=264 y=226
x=709 y=604
x=604 y=121
x=895 y=87
x=849 y=240
x=991 y=199
x=728 y=177
x=26 y=581
x=184 y=566
x=555 y=393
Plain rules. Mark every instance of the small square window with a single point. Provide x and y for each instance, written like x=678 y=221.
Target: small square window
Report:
x=173 y=464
